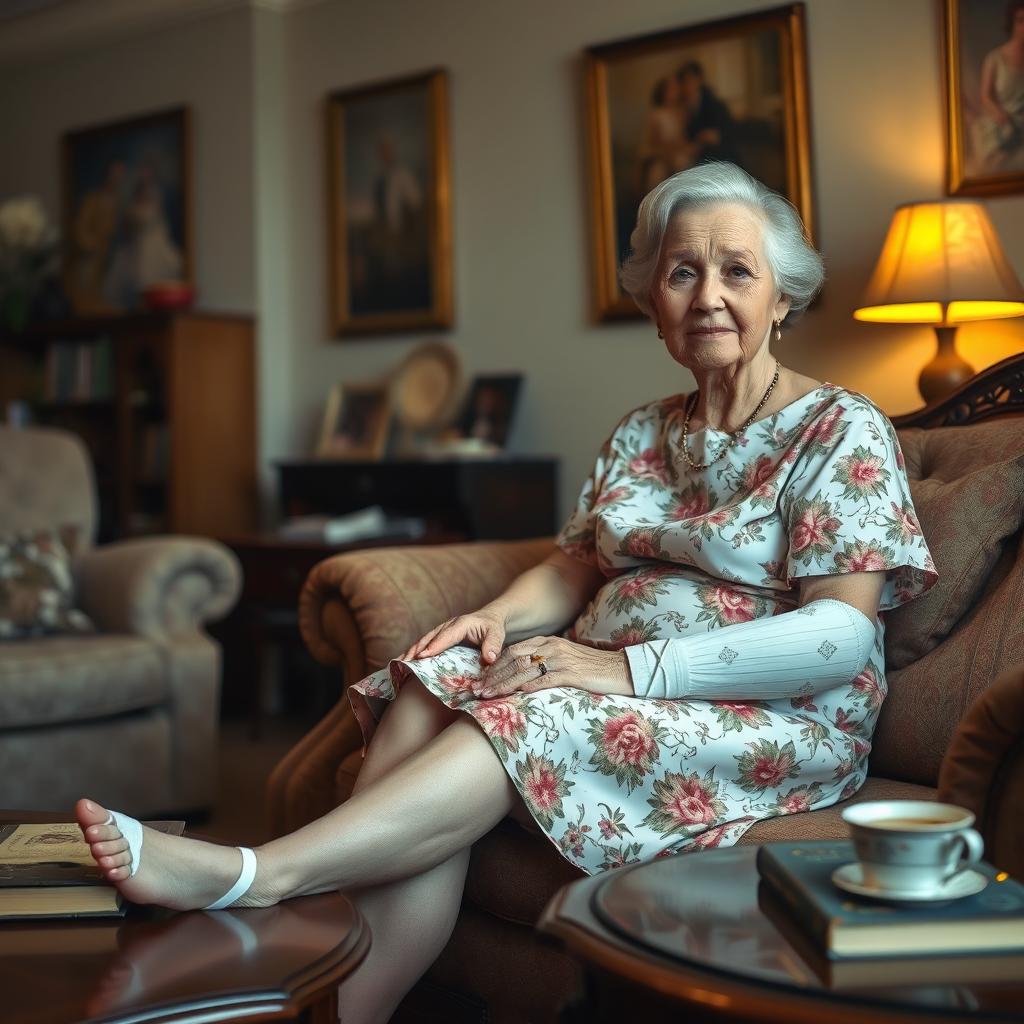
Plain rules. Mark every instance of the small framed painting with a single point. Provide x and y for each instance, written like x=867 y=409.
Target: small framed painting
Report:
x=127 y=211
x=490 y=407
x=356 y=422
x=732 y=90
x=984 y=96
x=390 y=222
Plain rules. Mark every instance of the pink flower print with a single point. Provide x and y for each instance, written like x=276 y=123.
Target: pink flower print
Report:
x=543 y=786
x=844 y=723
x=728 y=606
x=649 y=467
x=804 y=702
x=609 y=829
x=863 y=556
x=765 y=765
x=799 y=799
x=683 y=801
x=821 y=434
x=636 y=631
x=458 y=685
x=815 y=528
x=867 y=684
x=504 y=723
x=710 y=838
x=629 y=739
x=612 y=497
x=694 y=501
x=757 y=472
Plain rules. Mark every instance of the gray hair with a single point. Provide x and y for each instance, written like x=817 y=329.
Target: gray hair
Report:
x=795 y=265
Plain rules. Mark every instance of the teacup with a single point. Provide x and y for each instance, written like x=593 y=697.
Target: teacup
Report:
x=912 y=845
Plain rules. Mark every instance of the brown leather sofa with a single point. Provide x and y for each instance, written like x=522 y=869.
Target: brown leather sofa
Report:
x=128 y=714
x=951 y=726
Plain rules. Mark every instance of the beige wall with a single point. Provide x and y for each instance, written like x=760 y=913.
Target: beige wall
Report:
x=257 y=80
x=521 y=230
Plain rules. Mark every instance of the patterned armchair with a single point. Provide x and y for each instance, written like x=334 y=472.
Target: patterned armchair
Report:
x=127 y=714
x=951 y=726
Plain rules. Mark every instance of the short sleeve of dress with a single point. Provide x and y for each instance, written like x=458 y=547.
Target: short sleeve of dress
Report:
x=578 y=536
x=847 y=505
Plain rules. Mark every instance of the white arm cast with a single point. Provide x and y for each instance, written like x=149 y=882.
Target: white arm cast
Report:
x=822 y=644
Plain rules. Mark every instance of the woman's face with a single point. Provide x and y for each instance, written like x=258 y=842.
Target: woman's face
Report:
x=713 y=294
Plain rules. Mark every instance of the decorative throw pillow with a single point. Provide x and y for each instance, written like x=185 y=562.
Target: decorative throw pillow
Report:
x=36 y=585
x=965 y=523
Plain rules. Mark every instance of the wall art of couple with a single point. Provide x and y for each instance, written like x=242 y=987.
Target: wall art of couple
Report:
x=126 y=211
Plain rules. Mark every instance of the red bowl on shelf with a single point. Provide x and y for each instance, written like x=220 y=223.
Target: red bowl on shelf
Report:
x=168 y=295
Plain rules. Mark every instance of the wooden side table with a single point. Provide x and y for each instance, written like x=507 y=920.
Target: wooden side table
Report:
x=688 y=935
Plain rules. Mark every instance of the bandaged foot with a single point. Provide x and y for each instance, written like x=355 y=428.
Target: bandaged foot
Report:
x=175 y=872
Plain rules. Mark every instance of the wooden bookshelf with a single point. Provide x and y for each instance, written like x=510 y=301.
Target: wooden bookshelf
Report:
x=167 y=411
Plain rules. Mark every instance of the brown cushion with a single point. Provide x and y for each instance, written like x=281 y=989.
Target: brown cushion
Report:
x=37 y=587
x=965 y=523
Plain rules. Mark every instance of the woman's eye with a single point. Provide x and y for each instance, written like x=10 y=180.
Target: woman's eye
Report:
x=739 y=271
x=682 y=273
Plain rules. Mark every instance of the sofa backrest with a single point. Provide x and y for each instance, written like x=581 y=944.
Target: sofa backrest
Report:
x=46 y=481
x=930 y=694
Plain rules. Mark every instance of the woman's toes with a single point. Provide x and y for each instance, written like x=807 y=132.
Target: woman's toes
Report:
x=116 y=860
x=109 y=848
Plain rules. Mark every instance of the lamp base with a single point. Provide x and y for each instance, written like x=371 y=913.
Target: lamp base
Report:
x=947 y=371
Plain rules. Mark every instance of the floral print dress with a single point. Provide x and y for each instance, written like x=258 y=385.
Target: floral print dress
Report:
x=818 y=488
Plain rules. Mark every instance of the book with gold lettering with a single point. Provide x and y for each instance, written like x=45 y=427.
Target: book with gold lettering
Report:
x=46 y=870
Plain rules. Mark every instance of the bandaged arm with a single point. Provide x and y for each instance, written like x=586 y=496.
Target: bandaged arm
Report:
x=823 y=644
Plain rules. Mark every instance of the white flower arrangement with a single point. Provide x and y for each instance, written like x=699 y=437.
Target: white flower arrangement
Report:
x=28 y=249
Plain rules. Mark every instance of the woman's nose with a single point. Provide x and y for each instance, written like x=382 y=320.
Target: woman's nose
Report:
x=709 y=293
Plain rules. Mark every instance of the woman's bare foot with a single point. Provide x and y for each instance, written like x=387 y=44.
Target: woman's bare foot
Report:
x=175 y=872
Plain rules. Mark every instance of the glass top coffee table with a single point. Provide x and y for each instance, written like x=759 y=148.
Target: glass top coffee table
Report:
x=698 y=931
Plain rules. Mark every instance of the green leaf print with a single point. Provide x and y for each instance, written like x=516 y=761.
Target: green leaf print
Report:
x=863 y=556
x=737 y=717
x=766 y=766
x=543 y=787
x=902 y=525
x=814 y=529
x=636 y=631
x=636 y=589
x=644 y=542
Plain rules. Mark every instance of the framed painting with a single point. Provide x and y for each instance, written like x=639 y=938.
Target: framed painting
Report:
x=356 y=422
x=127 y=211
x=390 y=221
x=984 y=96
x=733 y=90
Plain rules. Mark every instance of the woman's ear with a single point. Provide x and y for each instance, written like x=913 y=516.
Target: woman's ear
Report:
x=782 y=305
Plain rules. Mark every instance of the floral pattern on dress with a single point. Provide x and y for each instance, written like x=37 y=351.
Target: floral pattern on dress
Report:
x=816 y=489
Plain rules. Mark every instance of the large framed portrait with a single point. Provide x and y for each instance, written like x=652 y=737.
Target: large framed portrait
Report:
x=984 y=96
x=390 y=216
x=733 y=90
x=127 y=210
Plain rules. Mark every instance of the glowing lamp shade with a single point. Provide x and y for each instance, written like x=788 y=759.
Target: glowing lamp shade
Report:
x=942 y=264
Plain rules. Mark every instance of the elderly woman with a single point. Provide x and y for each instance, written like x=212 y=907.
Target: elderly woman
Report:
x=721 y=578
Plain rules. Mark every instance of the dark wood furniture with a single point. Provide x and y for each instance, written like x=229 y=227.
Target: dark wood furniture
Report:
x=688 y=936
x=155 y=966
x=164 y=403
x=500 y=498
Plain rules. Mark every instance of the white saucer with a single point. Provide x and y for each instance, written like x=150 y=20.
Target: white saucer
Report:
x=850 y=878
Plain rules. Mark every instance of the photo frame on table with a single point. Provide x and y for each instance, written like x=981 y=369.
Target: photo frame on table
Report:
x=734 y=89
x=356 y=424
x=127 y=211
x=489 y=408
x=390 y=216
x=984 y=97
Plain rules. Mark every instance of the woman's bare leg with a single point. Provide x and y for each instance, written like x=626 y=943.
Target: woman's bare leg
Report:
x=434 y=804
x=412 y=919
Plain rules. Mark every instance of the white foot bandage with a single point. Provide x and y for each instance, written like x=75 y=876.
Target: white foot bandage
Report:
x=133 y=832
x=241 y=887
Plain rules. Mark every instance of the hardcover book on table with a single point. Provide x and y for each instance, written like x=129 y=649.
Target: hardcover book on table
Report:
x=46 y=870
x=800 y=876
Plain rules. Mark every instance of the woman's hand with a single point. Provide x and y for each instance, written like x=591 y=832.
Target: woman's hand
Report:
x=484 y=629
x=547 y=661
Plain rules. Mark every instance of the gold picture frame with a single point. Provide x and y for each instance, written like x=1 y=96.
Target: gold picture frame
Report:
x=126 y=210
x=730 y=89
x=390 y=206
x=356 y=423
x=984 y=141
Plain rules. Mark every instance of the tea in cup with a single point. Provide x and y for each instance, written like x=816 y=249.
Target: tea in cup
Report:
x=912 y=845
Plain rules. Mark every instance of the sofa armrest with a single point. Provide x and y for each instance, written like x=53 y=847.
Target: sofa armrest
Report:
x=360 y=609
x=983 y=769
x=157 y=587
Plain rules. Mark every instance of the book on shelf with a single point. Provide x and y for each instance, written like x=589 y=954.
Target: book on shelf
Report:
x=81 y=371
x=800 y=875
x=46 y=870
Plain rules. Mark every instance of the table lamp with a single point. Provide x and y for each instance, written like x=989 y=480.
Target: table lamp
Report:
x=942 y=264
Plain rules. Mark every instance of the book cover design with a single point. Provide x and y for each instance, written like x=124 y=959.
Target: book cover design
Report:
x=801 y=875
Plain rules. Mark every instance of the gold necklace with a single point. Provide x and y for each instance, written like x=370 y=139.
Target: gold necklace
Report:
x=734 y=436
